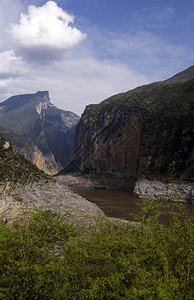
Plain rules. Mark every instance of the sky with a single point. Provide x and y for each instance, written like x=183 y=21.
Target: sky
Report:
x=84 y=51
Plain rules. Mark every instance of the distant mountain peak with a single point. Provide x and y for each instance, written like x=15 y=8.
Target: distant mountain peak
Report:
x=44 y=100
x=51 y=129
x=17 y=101
x=44 y=95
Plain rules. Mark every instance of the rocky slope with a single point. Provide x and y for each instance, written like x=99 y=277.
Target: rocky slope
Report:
x=23 y=186
x=144 y=133
x=52 y=130
x=25 y=147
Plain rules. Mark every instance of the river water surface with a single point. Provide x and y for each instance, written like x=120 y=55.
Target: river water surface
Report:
x=117 y=203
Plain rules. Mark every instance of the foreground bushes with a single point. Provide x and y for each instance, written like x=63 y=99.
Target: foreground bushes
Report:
x=46 y=258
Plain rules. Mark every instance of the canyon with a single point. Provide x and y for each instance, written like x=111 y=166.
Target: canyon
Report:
x=141 y=141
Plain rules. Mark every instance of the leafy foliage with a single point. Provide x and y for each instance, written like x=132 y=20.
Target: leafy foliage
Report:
x=47 y=258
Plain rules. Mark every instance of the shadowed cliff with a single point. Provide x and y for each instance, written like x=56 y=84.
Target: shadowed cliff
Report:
x=140 y=133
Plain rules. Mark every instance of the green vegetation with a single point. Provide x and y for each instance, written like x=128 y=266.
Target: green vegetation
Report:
x=163 y=101
x=47 y=258
x=16 y=169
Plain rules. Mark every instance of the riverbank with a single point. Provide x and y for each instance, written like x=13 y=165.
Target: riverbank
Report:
x=168 y=191
x=53 y=195
x=115 y=202
x=141 y=187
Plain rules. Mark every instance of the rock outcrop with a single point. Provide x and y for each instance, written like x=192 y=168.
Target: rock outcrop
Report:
x=146 y=133
x=161 y=190
x=17 y=203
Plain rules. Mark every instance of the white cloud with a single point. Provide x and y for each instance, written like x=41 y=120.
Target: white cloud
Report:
x=146 y=53
x=9 y=12
x=11 y=65
x=45 y=33
x=101 y=66
x=77 y=82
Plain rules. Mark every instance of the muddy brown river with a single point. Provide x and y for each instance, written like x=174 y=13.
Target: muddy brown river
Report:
x=117 y=203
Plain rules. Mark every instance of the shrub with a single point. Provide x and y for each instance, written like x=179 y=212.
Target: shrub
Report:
x=47 y=258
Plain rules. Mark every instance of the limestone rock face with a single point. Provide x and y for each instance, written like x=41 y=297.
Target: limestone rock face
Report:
x=144 y=133
x=158 y=189
x=111 y=143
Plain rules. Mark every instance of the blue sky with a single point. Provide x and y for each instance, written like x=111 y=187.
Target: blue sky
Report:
x=85 y=51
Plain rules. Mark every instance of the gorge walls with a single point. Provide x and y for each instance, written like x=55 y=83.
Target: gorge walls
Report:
x=146 y=133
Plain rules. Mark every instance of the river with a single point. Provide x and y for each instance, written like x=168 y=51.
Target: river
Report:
x=118 y=203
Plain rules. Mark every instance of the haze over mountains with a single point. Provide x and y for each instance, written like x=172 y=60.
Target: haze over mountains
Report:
x=49 y=130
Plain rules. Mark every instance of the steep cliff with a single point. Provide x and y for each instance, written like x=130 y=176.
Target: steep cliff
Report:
x=52 y=130
x=140 y=133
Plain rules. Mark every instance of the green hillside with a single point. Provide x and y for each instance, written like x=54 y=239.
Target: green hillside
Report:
x=14 y=167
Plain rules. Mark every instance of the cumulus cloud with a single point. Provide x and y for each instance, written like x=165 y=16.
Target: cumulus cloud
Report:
x=11 y=65
x=46 y=32
x=101 y=66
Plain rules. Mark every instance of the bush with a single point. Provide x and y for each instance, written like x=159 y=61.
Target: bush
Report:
x=47 y=258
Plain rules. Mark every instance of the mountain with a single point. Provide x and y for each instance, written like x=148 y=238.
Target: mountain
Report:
x=24 y=146
x=52 y=130
x=145 y=133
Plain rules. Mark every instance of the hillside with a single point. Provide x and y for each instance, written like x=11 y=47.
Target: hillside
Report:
x=23 y=187
x=24 y=146
x=52 y=130
x=15 y=169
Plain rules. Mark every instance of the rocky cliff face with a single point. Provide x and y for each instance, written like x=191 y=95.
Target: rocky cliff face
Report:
x=50 y=129
x=141 y=133
x=110 y=143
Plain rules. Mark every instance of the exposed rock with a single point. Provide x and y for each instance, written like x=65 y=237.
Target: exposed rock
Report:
x=49 y=129
x=26 y=147
x=144 y=133
x=16 y=203
x=158 y=189
x=111 y=143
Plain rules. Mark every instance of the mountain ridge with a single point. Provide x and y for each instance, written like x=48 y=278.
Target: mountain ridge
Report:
x=50 y=129
x=177 y=78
